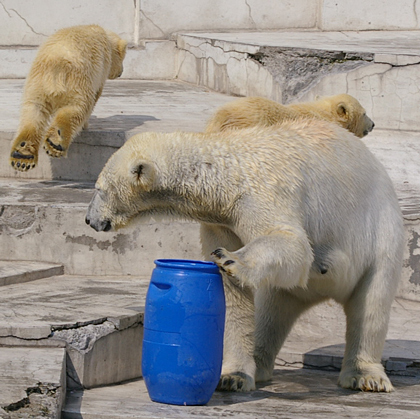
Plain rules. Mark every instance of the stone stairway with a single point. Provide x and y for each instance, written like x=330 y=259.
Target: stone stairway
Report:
x=71 y=299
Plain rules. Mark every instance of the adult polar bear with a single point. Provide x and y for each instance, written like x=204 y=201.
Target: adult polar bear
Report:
x=293 y=214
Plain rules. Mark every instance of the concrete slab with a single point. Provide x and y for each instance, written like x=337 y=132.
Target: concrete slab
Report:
x=18 y=272
x=53 y=212
x=293 y=393
x=32 y=382
x=379 y=68
x=99 y=321
x=318 y=337
x=377 y=42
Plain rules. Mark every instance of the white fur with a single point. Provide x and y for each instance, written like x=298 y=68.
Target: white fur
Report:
x=298 y=213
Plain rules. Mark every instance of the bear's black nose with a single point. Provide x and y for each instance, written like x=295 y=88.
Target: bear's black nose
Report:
x=107 y=225
x=87 y=221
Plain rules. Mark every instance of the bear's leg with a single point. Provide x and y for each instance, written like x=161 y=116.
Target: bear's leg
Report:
x=238 y=370
x=25 y=146
x=97 y=96
x=238 y=362
x=276 y=311
x=66 y=124
x=367 y=313
x=282 y=259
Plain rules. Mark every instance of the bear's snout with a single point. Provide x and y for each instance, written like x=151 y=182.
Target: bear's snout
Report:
x=98 y=225
x=103 y=225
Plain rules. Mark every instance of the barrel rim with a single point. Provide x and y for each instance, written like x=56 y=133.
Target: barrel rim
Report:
x=189 y=264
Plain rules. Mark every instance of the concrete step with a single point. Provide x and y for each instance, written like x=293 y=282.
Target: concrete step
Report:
x=379 y=68
x=18 y=272
x=125 y=108
x=45 y=220
x=97 y=320
x=32 y=382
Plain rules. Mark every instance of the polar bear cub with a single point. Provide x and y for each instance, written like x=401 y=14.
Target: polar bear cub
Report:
x=65 y=81
x=342 y=109
x=293 y=214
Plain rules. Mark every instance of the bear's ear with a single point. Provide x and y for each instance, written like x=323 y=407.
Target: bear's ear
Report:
x=122 y=47
x=142 y=173
x=342 y=110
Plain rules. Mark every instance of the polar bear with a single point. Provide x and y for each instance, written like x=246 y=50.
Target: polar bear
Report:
x=293 y=214
x=65 y=81
x=251 y=111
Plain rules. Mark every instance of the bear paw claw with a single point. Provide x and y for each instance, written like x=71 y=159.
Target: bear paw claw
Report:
x=368 y=380
x=238 y=382
x=224 y=262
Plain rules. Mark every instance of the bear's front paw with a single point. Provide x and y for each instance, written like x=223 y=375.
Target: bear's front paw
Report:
x=366 y=379
x=53 y=144
x=236 y=382
x=225 y=261
x=24 y=157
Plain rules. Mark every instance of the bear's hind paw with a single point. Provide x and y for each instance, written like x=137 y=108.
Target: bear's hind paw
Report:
x=53 y=144
x=22 y=162
x=53 y=150
x=237 y=381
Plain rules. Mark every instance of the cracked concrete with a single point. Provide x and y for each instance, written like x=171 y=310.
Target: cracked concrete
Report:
x=299 y=70
x=32 y=382
x=98 y=319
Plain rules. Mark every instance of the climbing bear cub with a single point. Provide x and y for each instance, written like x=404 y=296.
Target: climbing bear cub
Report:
x=64 y=83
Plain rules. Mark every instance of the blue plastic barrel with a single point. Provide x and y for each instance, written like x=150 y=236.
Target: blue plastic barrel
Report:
x=184 y=322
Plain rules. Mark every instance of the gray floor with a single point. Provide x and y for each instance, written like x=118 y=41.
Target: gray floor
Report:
x=293 y=393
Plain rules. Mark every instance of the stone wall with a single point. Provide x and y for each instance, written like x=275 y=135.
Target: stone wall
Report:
x=27 y=23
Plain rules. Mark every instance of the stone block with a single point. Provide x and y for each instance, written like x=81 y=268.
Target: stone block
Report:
x=23 y=23
x=152 y=60
x=101 y=354
x=160 y=18
x=32 y=382
x=16 y=61
x=98 y=321
x=359 y=15
x=18 y=272
x=224 y=66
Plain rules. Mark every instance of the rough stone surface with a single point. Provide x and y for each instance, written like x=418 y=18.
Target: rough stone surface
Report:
x=32 y=382
x=297 y=70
